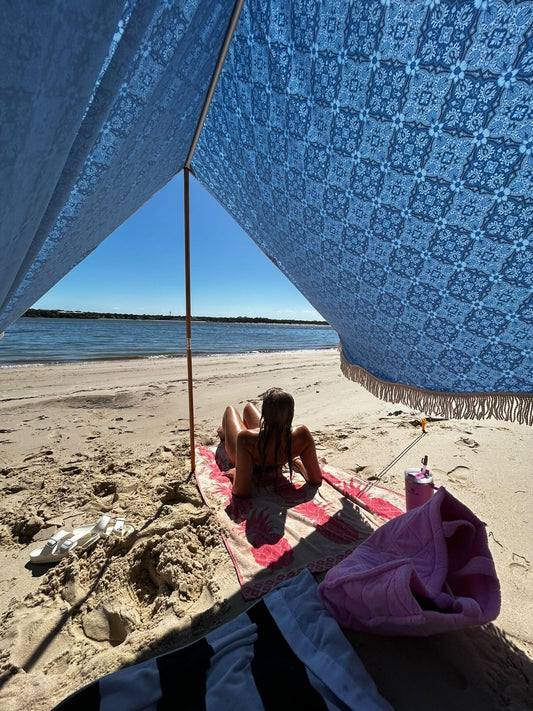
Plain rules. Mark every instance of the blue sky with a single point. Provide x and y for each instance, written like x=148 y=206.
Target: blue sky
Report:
x=140 y=267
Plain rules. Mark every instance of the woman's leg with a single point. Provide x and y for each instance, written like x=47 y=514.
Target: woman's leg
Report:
x=232 y=424
x=251 y=416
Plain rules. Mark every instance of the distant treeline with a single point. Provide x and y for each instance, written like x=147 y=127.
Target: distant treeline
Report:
x=56 y=313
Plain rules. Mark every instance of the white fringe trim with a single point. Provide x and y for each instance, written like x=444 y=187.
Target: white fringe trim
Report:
x=512 y=407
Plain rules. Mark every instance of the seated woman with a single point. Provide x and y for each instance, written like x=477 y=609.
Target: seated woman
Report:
x=267 y=440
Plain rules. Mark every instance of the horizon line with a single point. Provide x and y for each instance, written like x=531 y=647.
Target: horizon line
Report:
x=66 y=313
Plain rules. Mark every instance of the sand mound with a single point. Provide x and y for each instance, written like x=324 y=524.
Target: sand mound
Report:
x=125 y=598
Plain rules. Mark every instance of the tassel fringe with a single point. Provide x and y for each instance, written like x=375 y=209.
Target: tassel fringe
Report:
x=512 y=407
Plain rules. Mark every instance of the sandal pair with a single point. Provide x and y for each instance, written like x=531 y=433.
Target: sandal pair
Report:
x=83 y=537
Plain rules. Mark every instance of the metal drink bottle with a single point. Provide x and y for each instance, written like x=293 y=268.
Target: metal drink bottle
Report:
x=419 y=486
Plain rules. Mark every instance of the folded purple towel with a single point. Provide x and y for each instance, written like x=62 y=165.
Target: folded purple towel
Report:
x=427 y=571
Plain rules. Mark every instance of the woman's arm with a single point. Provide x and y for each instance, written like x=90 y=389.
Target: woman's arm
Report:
x=304 y=447
x=244 y=466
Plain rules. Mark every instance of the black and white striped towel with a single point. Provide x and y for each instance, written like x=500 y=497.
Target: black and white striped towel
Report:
x=284 y=652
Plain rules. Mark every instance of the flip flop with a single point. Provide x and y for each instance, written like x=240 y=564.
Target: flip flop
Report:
x=49 y=553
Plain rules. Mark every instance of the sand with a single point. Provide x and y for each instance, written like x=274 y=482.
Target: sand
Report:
x=78 y=440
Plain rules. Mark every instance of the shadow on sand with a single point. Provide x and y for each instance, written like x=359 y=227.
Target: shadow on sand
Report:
x=468 y=670
x=472 y=670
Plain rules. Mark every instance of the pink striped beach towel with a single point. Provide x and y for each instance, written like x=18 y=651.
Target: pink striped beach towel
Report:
x=286 y=526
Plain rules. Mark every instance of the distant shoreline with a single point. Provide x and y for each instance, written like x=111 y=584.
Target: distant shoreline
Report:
x=58 y=313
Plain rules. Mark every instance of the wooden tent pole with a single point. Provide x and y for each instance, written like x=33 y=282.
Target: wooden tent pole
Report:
x=186 y=169
x=188 y=313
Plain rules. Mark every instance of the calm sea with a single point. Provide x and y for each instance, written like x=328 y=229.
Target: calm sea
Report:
x=49 y=340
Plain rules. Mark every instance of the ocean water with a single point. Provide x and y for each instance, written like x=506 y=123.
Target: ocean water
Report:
x=52 y=340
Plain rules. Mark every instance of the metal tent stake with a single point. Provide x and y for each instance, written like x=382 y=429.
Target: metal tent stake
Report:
x=188 y=313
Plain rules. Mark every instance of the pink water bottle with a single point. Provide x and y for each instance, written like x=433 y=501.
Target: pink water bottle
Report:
x=418 y=485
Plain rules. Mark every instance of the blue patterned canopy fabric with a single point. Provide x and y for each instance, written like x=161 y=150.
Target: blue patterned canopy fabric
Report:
x=380 y=154
x=378 y=151
x=101 y=103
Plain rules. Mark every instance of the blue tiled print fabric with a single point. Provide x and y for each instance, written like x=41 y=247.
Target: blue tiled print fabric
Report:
x=381 y=153
x=99 y=104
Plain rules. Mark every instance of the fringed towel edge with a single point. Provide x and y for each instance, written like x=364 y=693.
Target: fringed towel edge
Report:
x=512 y=407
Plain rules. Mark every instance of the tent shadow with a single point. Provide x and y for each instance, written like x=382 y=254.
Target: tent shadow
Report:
x=471 y=670
x=467 y=670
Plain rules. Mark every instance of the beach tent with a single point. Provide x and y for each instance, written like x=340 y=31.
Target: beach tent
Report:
x=380 y=152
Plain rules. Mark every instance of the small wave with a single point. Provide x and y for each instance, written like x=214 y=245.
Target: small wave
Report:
x=26 y=365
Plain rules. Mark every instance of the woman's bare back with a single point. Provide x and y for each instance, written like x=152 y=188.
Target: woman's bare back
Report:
x=250 y=440
x=242 y=443
x=248 y=456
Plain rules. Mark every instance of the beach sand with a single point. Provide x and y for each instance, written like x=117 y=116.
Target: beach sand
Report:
x=77 y=440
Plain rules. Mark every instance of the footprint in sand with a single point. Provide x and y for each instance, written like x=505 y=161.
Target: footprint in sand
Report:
x=459 y=475
x=71 y=469
x=111 y=621
x=30 y=628
x=105 y=488
x=80 y=455
x=32 y=419
x=520 y=566
x=42 y=453
x=60 y=665
x=6 y=585
x=468 y=441
x=368 y=471
x=519 y=569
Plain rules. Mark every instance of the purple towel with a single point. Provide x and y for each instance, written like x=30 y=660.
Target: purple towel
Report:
x=427 y=571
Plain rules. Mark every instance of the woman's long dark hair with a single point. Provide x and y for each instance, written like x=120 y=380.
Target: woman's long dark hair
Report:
x=275 y=425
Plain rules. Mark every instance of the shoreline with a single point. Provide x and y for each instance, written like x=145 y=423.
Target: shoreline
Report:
x=38 y=340
x=162 y=356
x=78 y=439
